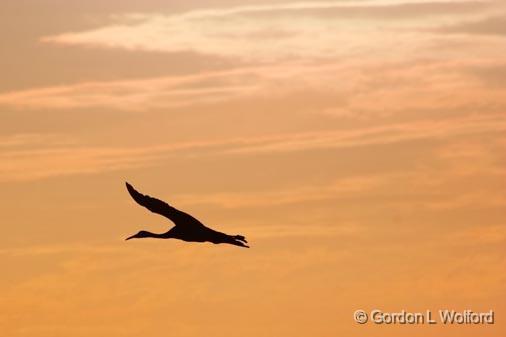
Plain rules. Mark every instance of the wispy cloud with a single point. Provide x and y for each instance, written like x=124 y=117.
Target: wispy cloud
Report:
x=380 y=63
x=286 y=30
x=23 y=140
x=494 y=25
x=387 y=134
x=136 y=94
x=345 y=187
x=371 y=89
x=37 y=163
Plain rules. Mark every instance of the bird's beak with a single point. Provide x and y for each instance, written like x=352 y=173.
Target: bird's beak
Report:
x=130 y=237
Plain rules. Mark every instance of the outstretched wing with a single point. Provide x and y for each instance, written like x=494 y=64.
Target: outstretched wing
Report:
x=160 y=207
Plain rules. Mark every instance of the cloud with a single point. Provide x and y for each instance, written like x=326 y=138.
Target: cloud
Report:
x=172 y=91
x=377 y=65
x=42 y=162
x=386 y=134
x=288 y=30
x=345 y=187
x=371 y=89
x=31 y=139
x=495 y=25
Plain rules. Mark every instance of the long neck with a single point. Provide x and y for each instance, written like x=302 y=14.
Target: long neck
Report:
x=156 y=235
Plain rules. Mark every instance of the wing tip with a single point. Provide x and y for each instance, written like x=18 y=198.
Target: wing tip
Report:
x=130 y=188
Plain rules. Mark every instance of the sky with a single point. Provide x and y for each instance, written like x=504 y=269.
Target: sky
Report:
x=358 y=145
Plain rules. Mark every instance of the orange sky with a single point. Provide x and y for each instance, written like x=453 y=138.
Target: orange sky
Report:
x=359 y=145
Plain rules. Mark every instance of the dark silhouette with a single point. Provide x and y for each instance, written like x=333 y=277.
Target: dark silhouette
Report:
x=186 y=228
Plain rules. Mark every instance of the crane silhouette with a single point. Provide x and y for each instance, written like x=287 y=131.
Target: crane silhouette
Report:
x=186 y=228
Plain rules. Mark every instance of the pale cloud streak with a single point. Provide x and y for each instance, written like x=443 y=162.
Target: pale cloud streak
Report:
x=290 y=30
x=344 y=188
x=21 y=140
x=379 y=63
x=38 y=163
x=135 y=94
x=371 y=89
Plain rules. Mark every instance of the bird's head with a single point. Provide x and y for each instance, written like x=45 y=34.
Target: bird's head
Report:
x=140 y=235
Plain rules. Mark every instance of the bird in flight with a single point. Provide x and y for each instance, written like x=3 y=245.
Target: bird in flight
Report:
x=186 y=228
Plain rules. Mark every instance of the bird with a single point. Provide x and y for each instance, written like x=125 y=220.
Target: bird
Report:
x=187 y=228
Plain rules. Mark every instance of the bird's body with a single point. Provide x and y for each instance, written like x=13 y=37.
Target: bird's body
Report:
x=186 y=228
